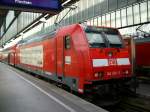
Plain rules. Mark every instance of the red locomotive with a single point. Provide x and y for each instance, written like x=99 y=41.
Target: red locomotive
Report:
x=81 y=57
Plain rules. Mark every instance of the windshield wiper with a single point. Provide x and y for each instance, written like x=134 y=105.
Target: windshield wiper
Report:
x=115 y=45
x=97 y=45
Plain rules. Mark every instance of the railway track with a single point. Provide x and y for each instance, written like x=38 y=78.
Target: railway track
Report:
x=133 y=108
x=144 y=79
x=130 y=104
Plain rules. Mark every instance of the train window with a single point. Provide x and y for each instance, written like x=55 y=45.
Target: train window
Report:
x=114 y=40
x=67 y=42
x=103 y=37
x=95 y=40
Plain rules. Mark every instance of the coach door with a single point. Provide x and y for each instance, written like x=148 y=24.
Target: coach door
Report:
x=8 y=58
x=13 y=59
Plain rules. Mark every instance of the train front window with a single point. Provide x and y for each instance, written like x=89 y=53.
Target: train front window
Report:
x=103 y=37
x=114 y=40
x=95 y=40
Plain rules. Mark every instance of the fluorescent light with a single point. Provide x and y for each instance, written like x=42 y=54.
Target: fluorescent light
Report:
x=21 y=34
x=43 y=20
x=66 y=2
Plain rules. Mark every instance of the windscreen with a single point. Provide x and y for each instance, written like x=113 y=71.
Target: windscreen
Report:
x=103 y=37
x=95 y=40
x=114 y=40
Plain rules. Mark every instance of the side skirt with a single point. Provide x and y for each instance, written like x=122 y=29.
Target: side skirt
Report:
x=71 y=82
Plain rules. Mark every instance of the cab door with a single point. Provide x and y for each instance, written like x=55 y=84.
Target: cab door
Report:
x=63 y=55
x=67 y=55
x=60 y=56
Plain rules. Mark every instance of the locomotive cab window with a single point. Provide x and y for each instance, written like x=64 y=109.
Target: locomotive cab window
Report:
x=103 y=37
x=67 y=42
x=95 y=40
x=114 y=40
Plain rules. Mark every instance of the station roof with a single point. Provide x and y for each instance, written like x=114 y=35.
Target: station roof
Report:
x=3 y=12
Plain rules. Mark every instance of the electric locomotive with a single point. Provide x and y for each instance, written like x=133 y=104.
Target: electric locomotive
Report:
x=82 y=57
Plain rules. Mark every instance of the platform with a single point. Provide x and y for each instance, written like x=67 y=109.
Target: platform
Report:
x=20 y=92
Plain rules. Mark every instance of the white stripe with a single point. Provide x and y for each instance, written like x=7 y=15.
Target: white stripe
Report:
x=49 y=95
x=100 y=62
x=48 y=73
x=65 y=2
x=123 y=61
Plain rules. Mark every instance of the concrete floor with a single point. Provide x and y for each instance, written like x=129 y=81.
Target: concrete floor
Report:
x=20 y=92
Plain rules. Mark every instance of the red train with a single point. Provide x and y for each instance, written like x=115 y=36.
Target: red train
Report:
x=1 y=56
x=82 y=57
x=143 y=56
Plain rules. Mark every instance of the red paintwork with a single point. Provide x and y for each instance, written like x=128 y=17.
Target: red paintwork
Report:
x=143 y=54
x=8 y=55
x=122 y=53
x=1 y=56
x=128 y=45
x=12 y=53
x=81 y=57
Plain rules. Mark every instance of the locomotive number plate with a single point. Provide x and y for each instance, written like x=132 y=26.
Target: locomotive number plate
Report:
x=112 y=62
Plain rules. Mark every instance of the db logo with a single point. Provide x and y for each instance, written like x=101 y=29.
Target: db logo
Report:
x=112 y=62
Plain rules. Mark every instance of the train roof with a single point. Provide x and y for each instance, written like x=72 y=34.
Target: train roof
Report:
x=36 y=38
x=40 y=37
x=142 y=40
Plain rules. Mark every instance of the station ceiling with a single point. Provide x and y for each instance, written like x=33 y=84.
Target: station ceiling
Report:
x=3 y=12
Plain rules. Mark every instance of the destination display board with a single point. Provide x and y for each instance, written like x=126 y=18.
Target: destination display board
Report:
x=44 y=5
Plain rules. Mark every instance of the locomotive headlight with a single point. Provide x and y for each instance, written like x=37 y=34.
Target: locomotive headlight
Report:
x=110 y=54
x=96 y=75
x=126 y=72
x=99 y=74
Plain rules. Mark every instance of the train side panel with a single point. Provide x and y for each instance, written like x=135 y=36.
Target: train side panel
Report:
x=143 y=58
x=51 y=59
x=12 y=58
x=82 y=57
x=1 y=56
x=35 y=57
x=143 y=54
x=69 y=59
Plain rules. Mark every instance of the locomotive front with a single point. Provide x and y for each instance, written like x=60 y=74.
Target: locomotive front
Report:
x=110 y=67
x=109 y=56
